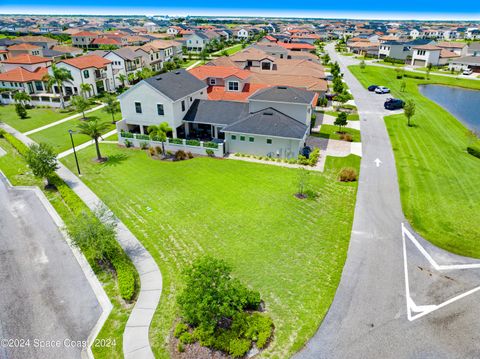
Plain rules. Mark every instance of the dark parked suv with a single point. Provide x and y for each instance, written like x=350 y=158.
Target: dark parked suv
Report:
x=393 y=104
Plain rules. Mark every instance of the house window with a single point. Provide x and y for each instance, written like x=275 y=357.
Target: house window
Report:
x=269 y=141
x=266 y=65
x=213 y=81
x=233 y=86
x=39 y=85
x=251 y=139
x=86 y=74
x=242 y=138
x=183 y=105
x=138 y=107
x=191 y=99
x=160 y=109
x=233 y=137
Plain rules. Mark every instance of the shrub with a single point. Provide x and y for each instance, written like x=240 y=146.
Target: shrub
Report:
x=180 y=347
x=210 y=153
x=239 y=347
x=180 y=329
x=144 y=145
x=152 y=151
x=346 y=137
x=474 y=150
x=16 y=143
x=2 y=132
x=348 y=174
x=210 y=144
x=128 y=143
x=190 y=154
x=176 y=141
x=21 y=110
x=139 y=136
x=187 y=338
x=314 y=156
x=126 y=276
x=259 y=329
x=193 y=142
x=158 y=150
x=125 y=134
x=180 y=155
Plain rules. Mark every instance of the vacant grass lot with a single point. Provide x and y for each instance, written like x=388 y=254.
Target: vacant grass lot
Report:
x=13 y=165
x=37 y=117
x=291 y=250
x=58 y=135
x=439 y=180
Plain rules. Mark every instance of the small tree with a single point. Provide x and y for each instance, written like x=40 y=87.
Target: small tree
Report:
x=303 y=179
x=85 y=89
x=341 y=121
x=362 y=65
x=409 y=110
x=403 y=85
x=42 y=160
x=58 y=76
x=111 y=105
x=122 y=78
x=159 y=133
x=21 y=97
x=429 y=68
x=94 y=233
x=80 y=104
x=21 y=111
x=212 y=295
x=94 y=129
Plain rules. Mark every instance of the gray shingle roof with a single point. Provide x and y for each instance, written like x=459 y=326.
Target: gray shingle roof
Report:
x=176 y=84
x=216 y=112
x=283 y=94
x=269 y=122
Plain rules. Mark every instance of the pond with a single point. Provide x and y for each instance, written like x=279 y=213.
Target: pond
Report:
x=462 y=103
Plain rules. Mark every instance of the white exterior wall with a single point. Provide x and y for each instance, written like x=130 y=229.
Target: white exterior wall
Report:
x=284 y=147
x=149 y=98
x=430 y=57
x=79 y=77
x=30 y=67
x=299 y=112
x=243 y=34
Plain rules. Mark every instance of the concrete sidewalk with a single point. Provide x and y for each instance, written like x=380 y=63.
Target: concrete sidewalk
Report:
x=136 y=344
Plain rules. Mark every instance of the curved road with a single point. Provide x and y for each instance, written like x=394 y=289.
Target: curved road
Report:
x=368 y=317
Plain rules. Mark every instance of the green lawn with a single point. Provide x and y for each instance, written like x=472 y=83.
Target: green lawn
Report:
x=230 y=50
x=291 y=250
x=188 y=63
x=37 y=117
x=58 y=135
x=350 y=117
x=330 y=131
x=15 y=168
x=439 y=180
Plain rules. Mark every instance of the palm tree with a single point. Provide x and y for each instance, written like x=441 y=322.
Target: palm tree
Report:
x=131 y=78
x=122 y=78
x=21 y=97
x=85 y=89
x=94 y=129
x=111 y=105
x=58 y=77
x=159 y=133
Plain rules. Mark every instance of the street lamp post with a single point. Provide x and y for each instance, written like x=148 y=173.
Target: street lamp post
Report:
x=74 y=152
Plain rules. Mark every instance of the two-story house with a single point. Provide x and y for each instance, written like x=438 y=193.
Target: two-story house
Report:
x=83 y=39
x=24 y=48
x=125 y=61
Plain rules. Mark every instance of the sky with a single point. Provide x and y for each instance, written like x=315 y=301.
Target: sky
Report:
x=362 y=9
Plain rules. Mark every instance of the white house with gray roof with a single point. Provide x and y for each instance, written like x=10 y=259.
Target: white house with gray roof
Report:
x=275 y=122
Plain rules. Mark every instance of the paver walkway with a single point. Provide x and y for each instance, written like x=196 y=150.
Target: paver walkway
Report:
x=136 y=344
x=62 y=121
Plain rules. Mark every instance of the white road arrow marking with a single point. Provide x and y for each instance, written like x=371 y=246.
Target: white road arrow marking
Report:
x=378 y=162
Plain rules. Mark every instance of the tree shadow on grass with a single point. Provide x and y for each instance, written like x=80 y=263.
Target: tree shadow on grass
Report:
x=115 y=160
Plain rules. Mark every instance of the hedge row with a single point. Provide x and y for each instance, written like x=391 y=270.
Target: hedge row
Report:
x=126 y=275
x=16 y=143
x=474 y=150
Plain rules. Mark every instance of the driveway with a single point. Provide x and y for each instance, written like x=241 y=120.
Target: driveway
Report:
x=44 y=296
x=368 y=317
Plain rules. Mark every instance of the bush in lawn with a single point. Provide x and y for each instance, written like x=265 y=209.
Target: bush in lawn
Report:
x=211 y=294
x=190 y=154
x=348 y=174
x=239 y=347
x=180 y=329
x=42 y=160
x=346 y=137
x=210 y=153
x=21 y=110
x=128 y=143
x=126 y=275
x=180 y=155
x=144 y=145
x=158 y=150
x=151 y=151
x=187 y=338
x=2 y=132
x=474 y=150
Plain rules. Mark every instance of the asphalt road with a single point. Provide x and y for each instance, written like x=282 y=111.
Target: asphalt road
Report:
x=44 y=295
x=368 y=318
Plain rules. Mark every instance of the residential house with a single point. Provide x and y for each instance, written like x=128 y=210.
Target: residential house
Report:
x=42 y=41
x=83 y=39
x=465 y=63
x=25 y=48
x=28 y=62
x=400 y=50
x=90 y=69
x=69 y=51
x=474 y=49
x=459 y=48
x=431 y=54
x=125 y=61
x=197 y=41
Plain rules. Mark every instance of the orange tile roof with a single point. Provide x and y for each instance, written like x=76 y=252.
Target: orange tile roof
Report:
x=19 y=74
x=84 y=62
x=204 y=72
x=23 y=46
x=457 y=45
x=105 y=41
x=270 y=38
x=26 y=59
x=85 y=33
x=448 y=54
x=297 y=46
x=218 y=93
